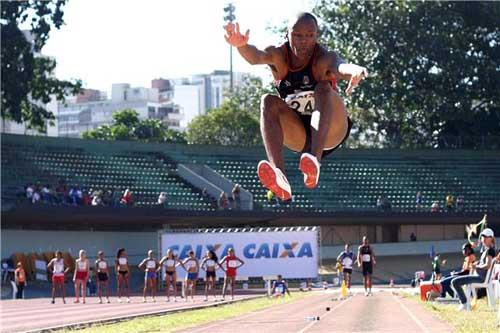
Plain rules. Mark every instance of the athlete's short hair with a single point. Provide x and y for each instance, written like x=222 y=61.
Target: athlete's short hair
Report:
x=302 y=16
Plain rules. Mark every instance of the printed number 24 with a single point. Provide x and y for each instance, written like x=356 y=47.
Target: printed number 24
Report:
x=307 y=108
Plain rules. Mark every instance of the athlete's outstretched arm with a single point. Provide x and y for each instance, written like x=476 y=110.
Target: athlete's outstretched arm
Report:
x=331 y=65
x=356 y=73
x=250 y=53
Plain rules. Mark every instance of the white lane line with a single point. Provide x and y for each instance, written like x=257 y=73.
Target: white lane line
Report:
x=323 y=316
x=412 y=316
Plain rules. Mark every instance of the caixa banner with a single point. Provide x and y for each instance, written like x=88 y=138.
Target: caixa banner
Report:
x=293 y=254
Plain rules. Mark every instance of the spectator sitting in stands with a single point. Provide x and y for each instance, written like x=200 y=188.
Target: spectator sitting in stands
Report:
x=126 y=199
x=435 y=207
x=30 y=189
x=87 y=197
x=419 y=200
x=450 y=203
x=223 y=201
x=460 y=203
x=48 y=195
x=236 y=197
x=97 y=199
x=61 y=191
x=35 y=197
x=75 y=195
x=413 y=237
x=162 y=200
x=107 y=198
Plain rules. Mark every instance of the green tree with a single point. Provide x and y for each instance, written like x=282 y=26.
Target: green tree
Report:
x=434 y=69
x=128 y=127
x=228 y=125
x=236 y=122
x=27 y=79
x=247 y=95
x=175 y=136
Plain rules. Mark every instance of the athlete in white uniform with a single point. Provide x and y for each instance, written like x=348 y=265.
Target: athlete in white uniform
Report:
x=170 y=263
x=102 y=270
x=122 y=270
x=210 y=264
x=190 y=264
x=58 y=271
x=346 y=258
x=149 y=265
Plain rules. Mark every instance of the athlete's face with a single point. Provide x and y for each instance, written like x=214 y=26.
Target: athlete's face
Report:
x=302 y=36
x=487 y=241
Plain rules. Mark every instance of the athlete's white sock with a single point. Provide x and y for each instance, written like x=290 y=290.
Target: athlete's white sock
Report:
x=315 y=116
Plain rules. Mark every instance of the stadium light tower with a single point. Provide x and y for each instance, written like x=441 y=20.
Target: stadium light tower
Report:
x=229 y=18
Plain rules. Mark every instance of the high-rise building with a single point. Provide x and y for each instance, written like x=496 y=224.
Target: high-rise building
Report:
x=189 y=99
x=203 y=92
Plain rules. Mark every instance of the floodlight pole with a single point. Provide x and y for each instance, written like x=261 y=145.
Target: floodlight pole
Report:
x=229 y=18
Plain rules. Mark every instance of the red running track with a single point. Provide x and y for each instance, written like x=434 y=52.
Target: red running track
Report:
x=383 y=312
x=39 y=314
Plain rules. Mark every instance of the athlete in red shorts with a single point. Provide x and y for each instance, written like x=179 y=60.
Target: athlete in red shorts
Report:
x=58 y=271
x=81 y=276
x=230 y=264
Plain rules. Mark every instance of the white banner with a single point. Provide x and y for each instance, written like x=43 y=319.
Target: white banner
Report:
x=293 y=254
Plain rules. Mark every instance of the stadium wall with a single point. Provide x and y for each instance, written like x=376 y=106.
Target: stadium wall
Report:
x=28 y=241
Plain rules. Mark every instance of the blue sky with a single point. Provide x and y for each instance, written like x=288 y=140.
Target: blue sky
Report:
x=134 y=41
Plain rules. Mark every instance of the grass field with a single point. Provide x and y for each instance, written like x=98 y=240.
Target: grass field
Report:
x=181 y=320
x=481 y=319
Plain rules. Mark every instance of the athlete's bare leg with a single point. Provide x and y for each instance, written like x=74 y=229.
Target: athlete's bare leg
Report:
x=331 y=128
x=279 y=125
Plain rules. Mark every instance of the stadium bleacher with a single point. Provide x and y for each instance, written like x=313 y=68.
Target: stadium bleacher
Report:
x=351 y=180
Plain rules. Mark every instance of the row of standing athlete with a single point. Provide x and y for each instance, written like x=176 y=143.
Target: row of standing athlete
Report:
x=151 y=267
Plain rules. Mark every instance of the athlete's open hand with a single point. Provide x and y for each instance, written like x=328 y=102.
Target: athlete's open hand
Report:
x=234 y=37
x=358 y=73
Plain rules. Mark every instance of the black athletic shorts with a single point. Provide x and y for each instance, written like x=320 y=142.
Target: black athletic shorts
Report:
x=306 y=120
x=367 y=268
x=348 y=270
x=210 y=274
x=102 y=276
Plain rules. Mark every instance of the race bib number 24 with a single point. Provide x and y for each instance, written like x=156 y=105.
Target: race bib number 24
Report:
x=302 y=102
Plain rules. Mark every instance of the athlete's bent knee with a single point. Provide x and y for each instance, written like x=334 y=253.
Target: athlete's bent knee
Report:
x=269 y=104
